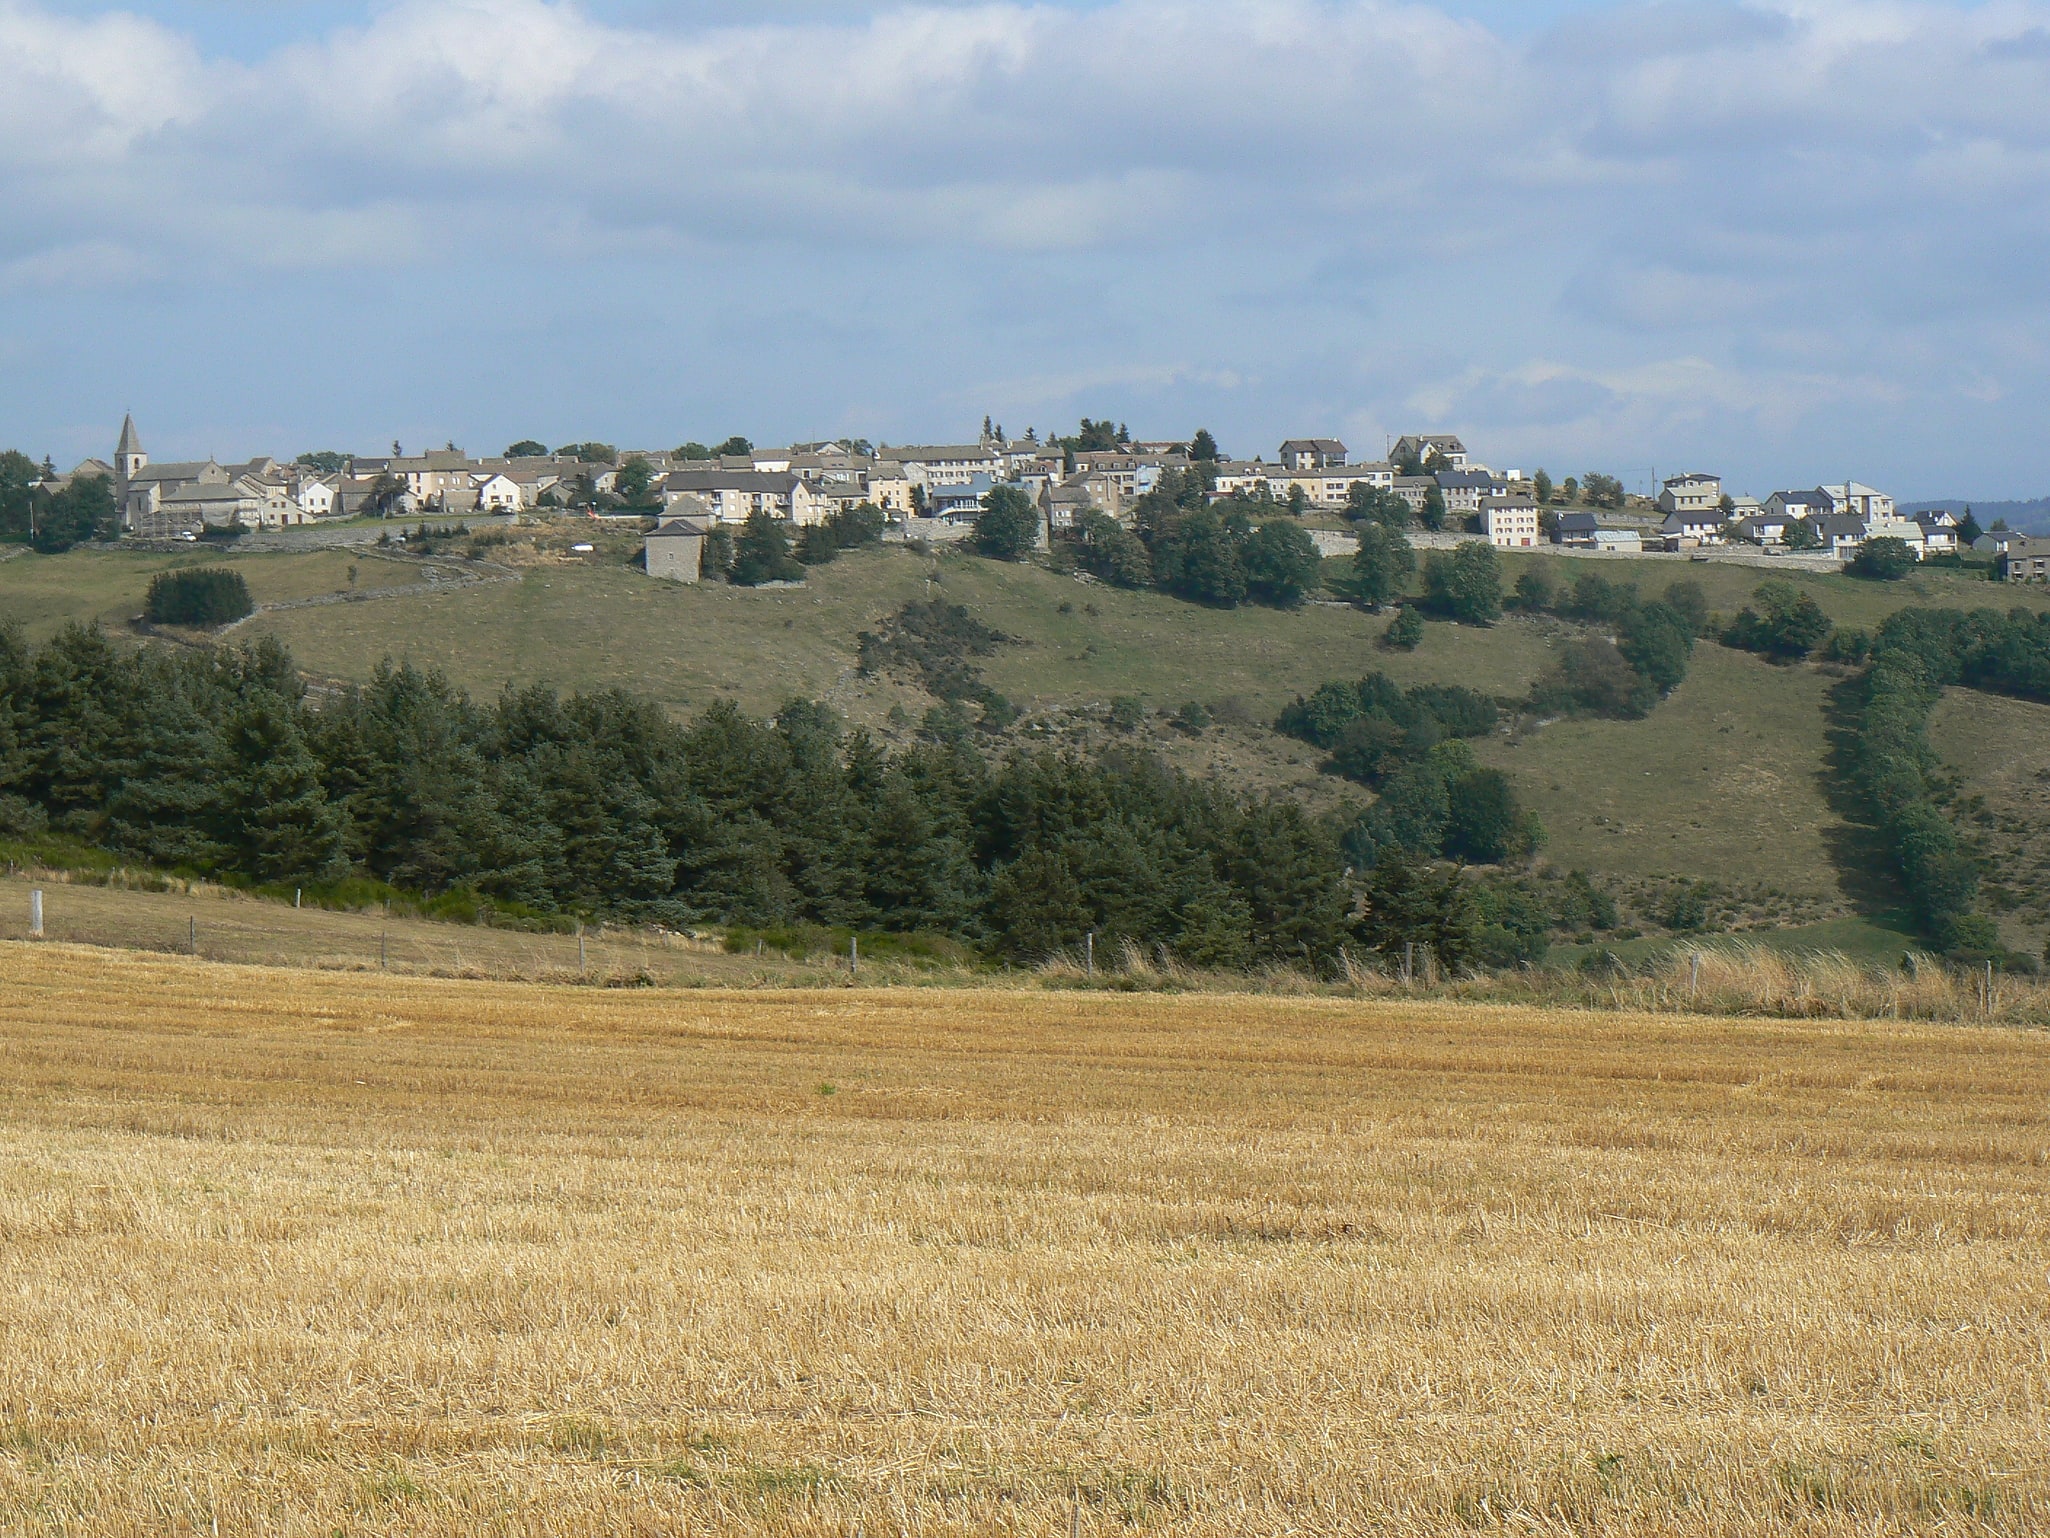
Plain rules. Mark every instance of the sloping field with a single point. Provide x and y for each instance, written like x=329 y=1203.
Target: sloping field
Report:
x=2000 y=749
x=304 y=1253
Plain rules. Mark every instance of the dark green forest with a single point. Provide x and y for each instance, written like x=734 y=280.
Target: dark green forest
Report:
x=217 y=763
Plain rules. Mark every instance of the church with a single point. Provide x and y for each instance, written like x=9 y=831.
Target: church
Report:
x=162 y=501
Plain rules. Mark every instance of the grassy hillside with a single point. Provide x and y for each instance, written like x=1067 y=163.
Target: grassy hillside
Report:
x=1725 y=780
x=301 y=1254
x=43 y=593
x=2000 y=749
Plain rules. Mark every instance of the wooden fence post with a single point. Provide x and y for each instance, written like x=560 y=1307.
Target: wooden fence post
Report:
x=35 y=914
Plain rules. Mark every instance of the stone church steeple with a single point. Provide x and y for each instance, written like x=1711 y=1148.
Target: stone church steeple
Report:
x=128 y=454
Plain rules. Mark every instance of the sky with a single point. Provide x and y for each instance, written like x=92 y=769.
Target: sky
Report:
x=1787 y=241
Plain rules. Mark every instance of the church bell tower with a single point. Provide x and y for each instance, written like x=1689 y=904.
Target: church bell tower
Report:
x=128 y=454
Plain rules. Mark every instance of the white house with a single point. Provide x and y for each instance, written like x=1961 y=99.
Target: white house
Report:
x=314 y=495
x=1939 y=533
x=1510 y=521
x=1682 y=529
x=499 y=493
x=1859 y=501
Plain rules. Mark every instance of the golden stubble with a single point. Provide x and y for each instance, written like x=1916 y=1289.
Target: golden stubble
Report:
x=298 y=1253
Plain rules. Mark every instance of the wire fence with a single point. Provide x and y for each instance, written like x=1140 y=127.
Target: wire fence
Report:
x=218 y=925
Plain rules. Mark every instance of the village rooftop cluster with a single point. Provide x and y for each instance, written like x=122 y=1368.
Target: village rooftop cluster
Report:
x=938 y=491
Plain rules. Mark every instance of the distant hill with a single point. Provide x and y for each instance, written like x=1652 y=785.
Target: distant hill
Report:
x=2030 y=517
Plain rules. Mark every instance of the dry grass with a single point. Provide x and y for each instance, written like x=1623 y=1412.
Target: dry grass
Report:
x=310 y=1252
x=225 y=925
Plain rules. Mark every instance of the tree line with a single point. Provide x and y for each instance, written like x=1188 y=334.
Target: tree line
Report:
x=1914 y=656
x=1221 y=554
x=216 y=763
x=52 y=521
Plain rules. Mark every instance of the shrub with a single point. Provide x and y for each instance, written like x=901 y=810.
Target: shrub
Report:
x=1787 y=624
x=1009 y=526
x=817 y=545
x=1591 y=676
x=762 y=554
x=1381 y=566
x=853 y=527
x=1407 y=633
x=1282 y=564
x=199 y=595
x=1535 y=590
x=1107 y=549
x=1465 y=584
x=1884 y=559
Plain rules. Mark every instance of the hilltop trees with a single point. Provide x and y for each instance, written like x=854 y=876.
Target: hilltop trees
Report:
x=1787 y=624
x=1465 y=583
x=1885 y=559
x=1601 y=490
x=1106 y=548
x=82 y=510
x=1196 y=556
x=762 y=553
x=1282 y=564
x=19 y=478
x=634 y=485
x=1009 y=526
x=1381 y=566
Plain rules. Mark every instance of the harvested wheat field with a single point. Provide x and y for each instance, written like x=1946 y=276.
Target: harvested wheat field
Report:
x=314 y=1253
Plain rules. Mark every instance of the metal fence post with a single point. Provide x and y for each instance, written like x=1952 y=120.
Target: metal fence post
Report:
x=192 y=934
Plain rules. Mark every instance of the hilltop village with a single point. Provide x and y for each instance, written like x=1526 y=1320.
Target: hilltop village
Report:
x=1055 y=489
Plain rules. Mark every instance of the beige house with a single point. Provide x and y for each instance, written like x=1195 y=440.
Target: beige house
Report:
x=1330 y=487
x=1510 y=521
x=1699 y=495
x=948 y=464
x=732 y=496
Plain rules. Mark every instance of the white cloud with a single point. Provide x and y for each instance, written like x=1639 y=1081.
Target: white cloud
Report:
x=77 y=93
x=1750 y=213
